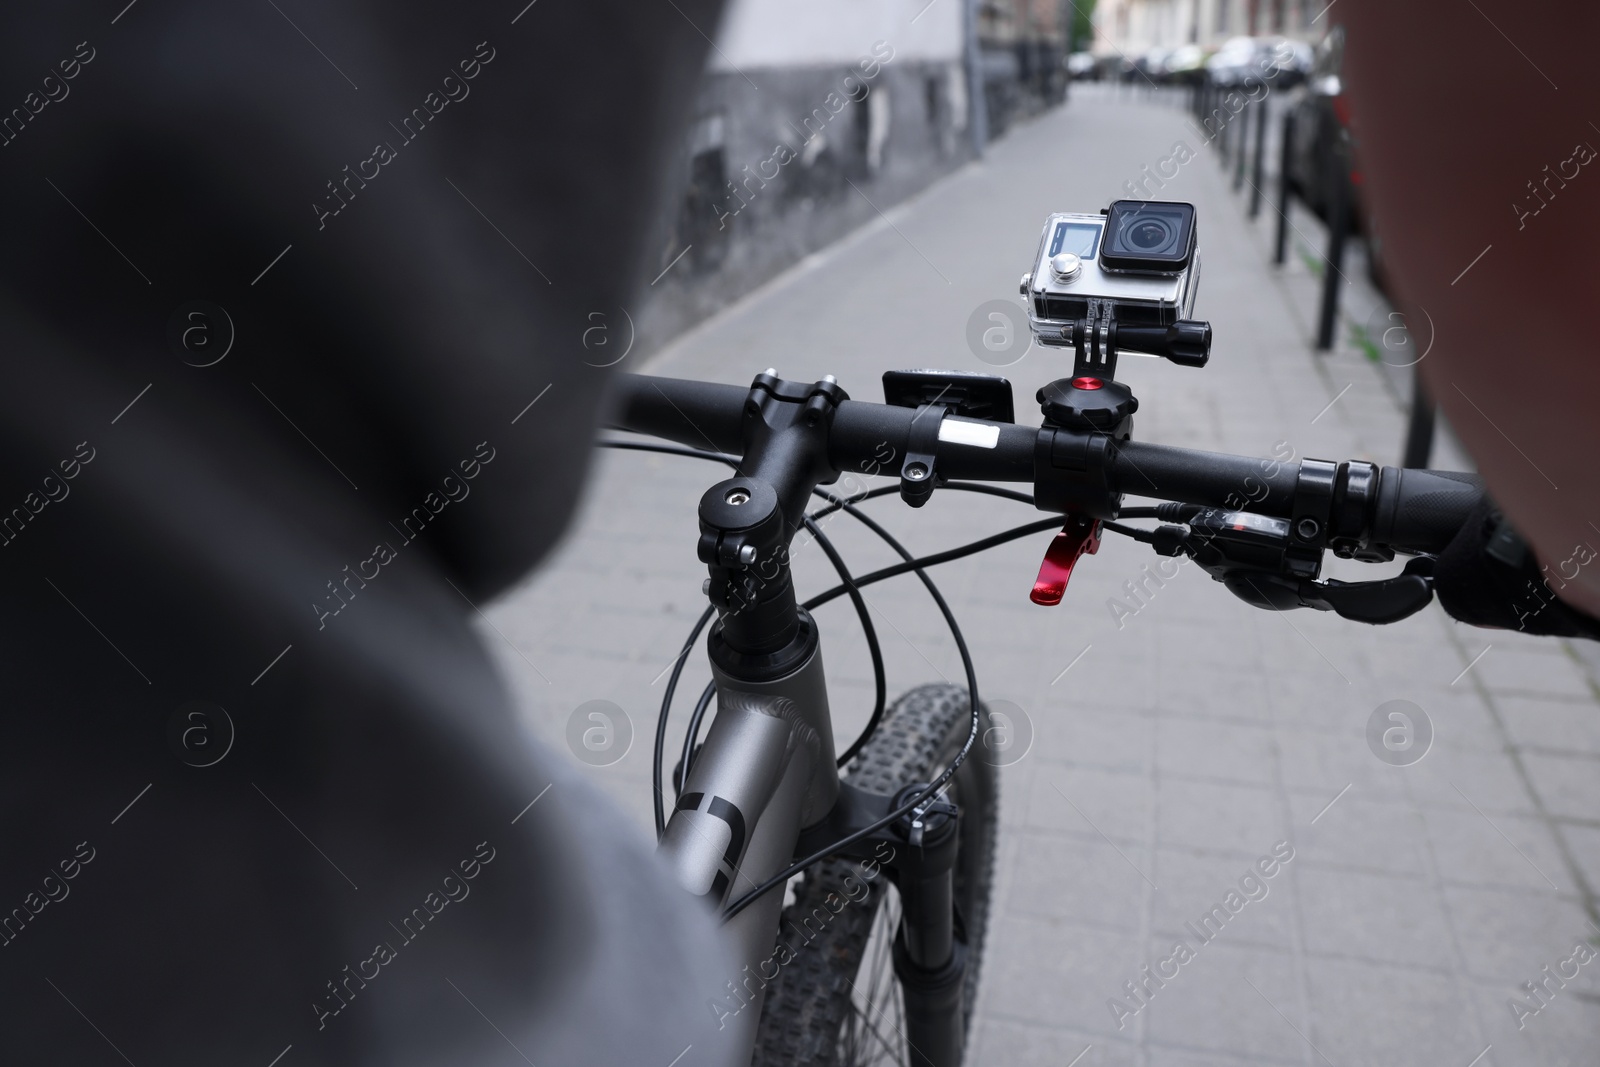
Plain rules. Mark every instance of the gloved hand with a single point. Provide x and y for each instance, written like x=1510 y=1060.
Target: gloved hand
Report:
x=1489 y=577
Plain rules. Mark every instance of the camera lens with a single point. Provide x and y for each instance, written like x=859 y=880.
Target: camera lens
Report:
x=1149 y=234
x=1148 y=237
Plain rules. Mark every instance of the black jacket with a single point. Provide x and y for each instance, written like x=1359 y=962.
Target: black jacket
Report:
x=276 y=294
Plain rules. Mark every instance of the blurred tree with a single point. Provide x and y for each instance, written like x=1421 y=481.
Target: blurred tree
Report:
x=1082 y=34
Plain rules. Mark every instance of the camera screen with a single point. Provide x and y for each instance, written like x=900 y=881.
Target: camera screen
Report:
x=1079 y=238
x=1149 y=236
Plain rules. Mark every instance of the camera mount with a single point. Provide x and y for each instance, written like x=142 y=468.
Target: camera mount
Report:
x=1186 y=342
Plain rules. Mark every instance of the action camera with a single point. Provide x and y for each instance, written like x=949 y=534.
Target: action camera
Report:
x=1124 y=278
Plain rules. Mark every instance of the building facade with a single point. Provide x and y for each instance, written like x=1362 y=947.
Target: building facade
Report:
x=1132 y=26
x=813 y=118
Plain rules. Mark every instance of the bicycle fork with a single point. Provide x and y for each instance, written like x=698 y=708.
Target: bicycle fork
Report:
x=763 y=790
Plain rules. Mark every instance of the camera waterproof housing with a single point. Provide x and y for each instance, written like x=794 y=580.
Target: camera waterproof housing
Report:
x=1121 y=280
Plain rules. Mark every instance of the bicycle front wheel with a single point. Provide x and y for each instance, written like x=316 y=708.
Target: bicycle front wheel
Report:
x=835 y=1001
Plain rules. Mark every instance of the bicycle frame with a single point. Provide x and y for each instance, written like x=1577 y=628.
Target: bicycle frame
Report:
x=764 y=787
x=763 y=790
x=765 y=770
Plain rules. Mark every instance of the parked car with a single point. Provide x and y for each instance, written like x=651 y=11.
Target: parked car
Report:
x=1150 y=66
x=1277 y=60
x=1081 y=66
x=1186 y=65
x=1296 y=68
x=1113 y=67
x=1322 y=128
x=1233 y=62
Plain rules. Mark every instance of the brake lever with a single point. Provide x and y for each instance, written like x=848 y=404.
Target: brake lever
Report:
x=1377 y=602
x=1384 y=601
x=1249 y=554
x=1080 y=536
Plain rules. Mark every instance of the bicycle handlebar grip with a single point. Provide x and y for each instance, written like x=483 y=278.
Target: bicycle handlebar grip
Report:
x=695 y=414
x=1422 y=510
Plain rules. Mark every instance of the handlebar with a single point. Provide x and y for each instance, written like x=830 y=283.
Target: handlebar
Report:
x=1364 y=508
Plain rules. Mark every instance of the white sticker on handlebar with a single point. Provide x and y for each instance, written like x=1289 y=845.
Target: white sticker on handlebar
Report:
x=977 y=434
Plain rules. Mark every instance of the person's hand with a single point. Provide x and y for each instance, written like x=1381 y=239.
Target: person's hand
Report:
x=1489 y=577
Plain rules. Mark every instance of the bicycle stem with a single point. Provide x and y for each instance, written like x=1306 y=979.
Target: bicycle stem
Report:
x=748 y=521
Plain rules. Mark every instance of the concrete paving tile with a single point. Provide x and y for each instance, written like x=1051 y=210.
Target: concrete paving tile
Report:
x=1320 y=766
x=1562 y=1034
x=1181 y=647
x=1192 y=883
x=1093 y=883
x=1528 y=671
x=1461 y=718
x=1168 y=1056
x=1008 y=1041
x=1462 y=778
x=1507 y=852
x=1360 y=834
x=1374 y=917
x=1091 y=737
x=1198 y=748
x=1558 y=725
x=1229 y=818
x=1414 y=657
x=1307 y=702
x=1507 y=936
x=1210 y=1004
x=1319 y=646
x=1220 y=692
x=1370 y=1013
x=1009 y=677
x=1584 y=843
x=1045 y=969
x=1118 y=673
x=1568 y=785
x=1088 y=801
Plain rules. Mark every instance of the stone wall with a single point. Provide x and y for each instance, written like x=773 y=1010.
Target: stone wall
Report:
x=782 y=162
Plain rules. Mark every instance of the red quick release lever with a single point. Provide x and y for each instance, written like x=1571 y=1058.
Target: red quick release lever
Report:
x=1081 y=534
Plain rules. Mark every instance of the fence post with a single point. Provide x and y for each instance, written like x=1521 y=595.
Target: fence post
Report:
x=1242 y=153
x=1260 y=175
x=1419 y=429
x=1225 y=137
x=1283 y=187
x=1333 y=261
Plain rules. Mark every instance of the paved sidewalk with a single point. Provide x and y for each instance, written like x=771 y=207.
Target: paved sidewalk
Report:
x=1173 y=753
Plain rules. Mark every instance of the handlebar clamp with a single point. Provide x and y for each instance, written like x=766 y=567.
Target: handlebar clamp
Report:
x=919 y=473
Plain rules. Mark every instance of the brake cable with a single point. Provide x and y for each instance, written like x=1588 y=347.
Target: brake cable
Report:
x=870 y=632
x=910 y=564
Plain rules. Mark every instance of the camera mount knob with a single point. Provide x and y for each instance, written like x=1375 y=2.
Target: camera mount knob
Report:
x=1087 y=403
x=1185 y=342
